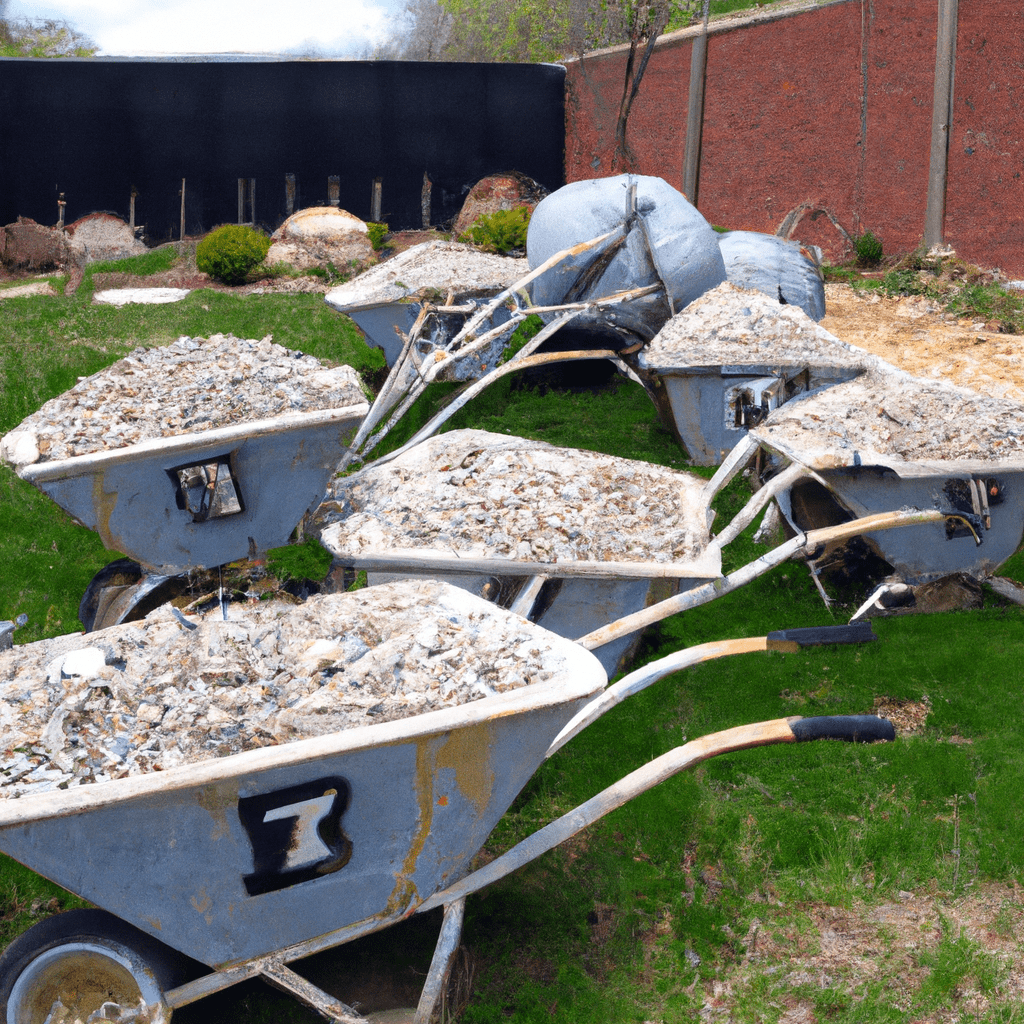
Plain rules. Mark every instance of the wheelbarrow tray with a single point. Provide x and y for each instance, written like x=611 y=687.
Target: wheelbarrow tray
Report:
x=414 y=801
x=731 y=357
x=386 y=300
x=864 y=455
x=131 y=496
x=447 y=509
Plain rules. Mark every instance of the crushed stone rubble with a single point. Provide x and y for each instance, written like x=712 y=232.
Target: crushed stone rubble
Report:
x=895 y=415
x=191 y=385
x=732 y=325
x=477 y=494
x=425 y=273
x=150 y=695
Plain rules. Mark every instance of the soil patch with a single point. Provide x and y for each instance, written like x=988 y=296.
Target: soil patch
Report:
x=913 y=334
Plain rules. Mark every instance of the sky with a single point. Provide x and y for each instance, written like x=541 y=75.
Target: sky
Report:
x=325 y=28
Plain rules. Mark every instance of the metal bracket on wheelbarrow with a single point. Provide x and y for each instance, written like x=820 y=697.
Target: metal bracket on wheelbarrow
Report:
x=207 y=490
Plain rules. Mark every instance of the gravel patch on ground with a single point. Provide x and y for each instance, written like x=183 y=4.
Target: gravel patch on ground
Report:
x=192 y=385
x=20 y=291
x=147 y=696
x=471 y=493
x=147 y=296
x=912 y=333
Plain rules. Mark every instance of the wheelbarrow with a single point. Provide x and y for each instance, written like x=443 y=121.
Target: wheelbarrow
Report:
x=452 y=278
x=235 y=867
x=449 y=508
x=890 y=440
x=569 y=539
x=726 y=362
x=194 y=500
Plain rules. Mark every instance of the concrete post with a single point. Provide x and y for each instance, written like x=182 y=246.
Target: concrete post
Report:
x=695 y=112
x=333 y=190
x=181 y=235
x=942 y=122
x=241 y=200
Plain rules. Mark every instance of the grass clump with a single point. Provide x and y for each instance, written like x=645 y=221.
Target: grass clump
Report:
x=868 y=248
x=232 y=252
x=377 y=233
x=309 y=560
x=503 y=231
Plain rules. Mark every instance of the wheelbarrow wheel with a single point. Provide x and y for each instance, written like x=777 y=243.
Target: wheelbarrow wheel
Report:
x=85 y=959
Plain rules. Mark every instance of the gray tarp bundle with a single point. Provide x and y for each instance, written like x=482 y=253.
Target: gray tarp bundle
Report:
x=775 y=266
x=656 y=236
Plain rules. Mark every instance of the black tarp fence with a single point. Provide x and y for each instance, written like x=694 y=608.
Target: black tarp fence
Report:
x=100 y=129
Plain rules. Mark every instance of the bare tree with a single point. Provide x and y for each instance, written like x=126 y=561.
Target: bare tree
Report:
x=41 y=37
x=647 y=19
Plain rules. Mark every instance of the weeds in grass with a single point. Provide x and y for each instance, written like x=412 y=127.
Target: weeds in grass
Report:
x=959 y=288
x=868 y=248
x=309 y=560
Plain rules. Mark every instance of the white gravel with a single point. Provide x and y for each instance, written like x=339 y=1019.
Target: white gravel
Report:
x=192 y=385
x=147 y=696
x=896 y=416
x=732 y=325
x=476 y=494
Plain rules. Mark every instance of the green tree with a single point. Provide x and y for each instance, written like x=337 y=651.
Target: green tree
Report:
x=528 y=30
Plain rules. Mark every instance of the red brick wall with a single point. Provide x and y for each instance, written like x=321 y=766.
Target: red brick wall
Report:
x=823 y=117
x=985 y=201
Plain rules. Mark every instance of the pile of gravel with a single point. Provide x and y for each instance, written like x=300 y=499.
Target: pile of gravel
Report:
x=891 y=414
x=729 y=325
x=471 y=493
x=150 y=695
x=190 y=386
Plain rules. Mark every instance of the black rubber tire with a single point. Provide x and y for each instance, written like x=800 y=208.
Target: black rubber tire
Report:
x=123 y=571
x=92 y=935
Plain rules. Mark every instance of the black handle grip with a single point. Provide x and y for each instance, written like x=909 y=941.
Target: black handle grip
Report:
x=851 y=728
x=854 y=633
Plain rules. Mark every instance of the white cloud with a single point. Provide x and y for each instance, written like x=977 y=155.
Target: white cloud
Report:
x=325 y=27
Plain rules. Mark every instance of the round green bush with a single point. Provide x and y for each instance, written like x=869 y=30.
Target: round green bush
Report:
x=232 y=252
x=503 y=231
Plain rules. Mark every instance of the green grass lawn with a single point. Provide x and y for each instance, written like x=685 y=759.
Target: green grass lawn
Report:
x=648 y=915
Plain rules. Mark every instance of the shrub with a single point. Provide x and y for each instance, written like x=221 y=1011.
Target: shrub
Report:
x=868 y=248
x=232 y=252
x=502 y=231
x=377 y=233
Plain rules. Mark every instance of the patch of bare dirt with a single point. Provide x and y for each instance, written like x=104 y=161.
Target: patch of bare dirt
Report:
x=892 y=942
x=910 y=332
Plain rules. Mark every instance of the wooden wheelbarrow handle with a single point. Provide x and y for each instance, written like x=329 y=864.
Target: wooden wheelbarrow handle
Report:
x=639 y=679
x=852 y=728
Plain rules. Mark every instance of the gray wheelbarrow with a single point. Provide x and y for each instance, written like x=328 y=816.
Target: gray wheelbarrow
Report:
x=249 y=862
